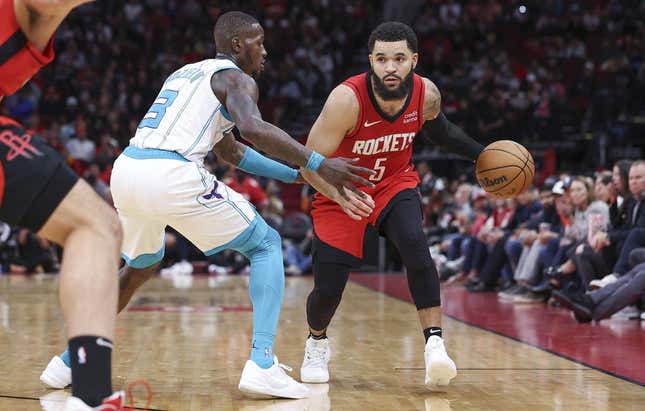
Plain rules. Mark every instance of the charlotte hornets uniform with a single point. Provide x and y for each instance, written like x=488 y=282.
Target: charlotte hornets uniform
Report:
x=160 y=178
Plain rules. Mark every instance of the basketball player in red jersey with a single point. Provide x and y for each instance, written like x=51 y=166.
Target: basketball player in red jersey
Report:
x=375 y=117
x=39 y=192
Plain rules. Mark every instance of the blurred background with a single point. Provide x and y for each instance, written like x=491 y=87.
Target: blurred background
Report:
x=564 y=78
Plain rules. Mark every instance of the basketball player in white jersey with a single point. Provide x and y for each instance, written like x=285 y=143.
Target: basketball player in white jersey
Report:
x=160 y=180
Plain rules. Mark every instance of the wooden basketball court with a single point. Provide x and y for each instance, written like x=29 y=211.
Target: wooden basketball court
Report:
x=189 y=344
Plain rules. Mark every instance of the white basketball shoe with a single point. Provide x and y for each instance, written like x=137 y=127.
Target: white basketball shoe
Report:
x=314 y=366
x=440 y=369
x=57 y=374
x=272 y=381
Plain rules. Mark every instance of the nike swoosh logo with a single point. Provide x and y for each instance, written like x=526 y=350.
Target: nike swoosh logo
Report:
x=367 y=124
x=104 y=343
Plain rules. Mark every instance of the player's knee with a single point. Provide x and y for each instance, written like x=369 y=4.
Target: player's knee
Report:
x=273 y=239
x=108 y=227
x=330 y=293
x=321 y=308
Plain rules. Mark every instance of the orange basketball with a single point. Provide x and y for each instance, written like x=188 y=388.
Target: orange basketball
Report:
x=505 y=169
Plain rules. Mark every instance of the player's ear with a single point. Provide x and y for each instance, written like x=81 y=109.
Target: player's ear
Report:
x=415 y=60
x=369 y=56
x=236 y=45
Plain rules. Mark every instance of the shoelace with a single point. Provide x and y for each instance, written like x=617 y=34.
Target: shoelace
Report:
x=316 y=356
x=285 y=367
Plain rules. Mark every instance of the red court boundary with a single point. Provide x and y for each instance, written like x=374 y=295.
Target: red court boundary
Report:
x=614 y=347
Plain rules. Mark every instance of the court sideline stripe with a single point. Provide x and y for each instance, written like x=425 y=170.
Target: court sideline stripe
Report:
x=557 y=354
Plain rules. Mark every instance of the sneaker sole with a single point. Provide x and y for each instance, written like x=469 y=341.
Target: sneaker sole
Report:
x=265 y=394
x=254 y=394
x=442 y=373
x=321 y=380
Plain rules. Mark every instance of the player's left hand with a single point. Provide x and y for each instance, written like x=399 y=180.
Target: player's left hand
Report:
x=355 y=205
x=340 y=173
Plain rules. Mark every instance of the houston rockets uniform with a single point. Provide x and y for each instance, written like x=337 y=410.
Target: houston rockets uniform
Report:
x=382 y=143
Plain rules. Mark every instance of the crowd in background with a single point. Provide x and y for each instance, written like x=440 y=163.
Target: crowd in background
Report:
x=573 y=235
x=555 y=75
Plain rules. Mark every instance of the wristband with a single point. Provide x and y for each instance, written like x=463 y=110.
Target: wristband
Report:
x=314 y=161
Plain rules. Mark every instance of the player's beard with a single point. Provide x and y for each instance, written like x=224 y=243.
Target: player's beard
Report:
x=398 y=93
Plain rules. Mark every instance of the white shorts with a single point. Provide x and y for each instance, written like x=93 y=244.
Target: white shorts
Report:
x=160 y=188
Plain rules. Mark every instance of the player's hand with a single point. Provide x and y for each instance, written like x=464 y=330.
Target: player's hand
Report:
x=356 y=206
x=340 y=173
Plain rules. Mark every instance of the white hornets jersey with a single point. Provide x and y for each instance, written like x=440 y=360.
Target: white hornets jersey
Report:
x=186 y=117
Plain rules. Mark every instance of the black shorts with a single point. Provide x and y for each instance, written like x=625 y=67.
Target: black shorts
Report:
x=325 y=253
x=34 y=178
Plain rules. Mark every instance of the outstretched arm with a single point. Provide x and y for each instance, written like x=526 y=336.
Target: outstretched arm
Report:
x=249 y=160
x=337 y=119
x=239 y=93
x=442 y=131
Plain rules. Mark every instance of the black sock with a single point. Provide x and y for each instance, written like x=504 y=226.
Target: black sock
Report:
x=432 y=331
x=318 y=337
x=91 y=359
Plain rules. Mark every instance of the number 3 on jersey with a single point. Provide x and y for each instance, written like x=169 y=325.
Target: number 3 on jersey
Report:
x=380 y=168
x=158 y=109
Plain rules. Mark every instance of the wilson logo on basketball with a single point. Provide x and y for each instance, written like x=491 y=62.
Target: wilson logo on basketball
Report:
x=487 y=182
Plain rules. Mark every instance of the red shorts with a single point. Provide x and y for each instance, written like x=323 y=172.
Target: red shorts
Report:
x=334 y=227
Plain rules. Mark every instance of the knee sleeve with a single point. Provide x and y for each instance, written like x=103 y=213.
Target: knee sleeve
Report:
x=267 y=259
x=423 y=280
x=266 y=283
x=329 y=283
x=403 y=227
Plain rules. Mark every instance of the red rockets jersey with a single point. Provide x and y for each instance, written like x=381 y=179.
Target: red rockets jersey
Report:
x=382 y=143
x=19 y=59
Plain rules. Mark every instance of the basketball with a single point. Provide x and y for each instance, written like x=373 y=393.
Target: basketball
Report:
x=505 y=169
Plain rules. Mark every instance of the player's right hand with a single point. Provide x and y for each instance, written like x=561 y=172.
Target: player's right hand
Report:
x=340 y=173
x=356 y=206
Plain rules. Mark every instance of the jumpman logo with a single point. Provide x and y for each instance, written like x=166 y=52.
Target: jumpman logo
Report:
x=18 y=145
x=213 y=193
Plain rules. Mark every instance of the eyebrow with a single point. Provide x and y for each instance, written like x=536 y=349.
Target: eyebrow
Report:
x=397 y=54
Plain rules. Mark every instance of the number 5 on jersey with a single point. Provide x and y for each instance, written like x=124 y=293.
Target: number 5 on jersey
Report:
x=158 y=109
x=380 y=167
